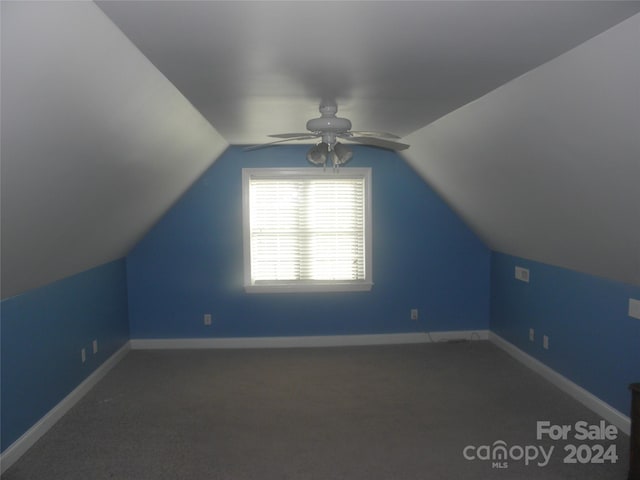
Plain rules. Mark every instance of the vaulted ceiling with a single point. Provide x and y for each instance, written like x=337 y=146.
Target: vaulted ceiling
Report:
x=524 y=116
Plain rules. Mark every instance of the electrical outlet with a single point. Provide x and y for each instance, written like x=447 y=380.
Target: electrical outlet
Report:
x=532 y=335
x=634 y=308
x=522 y=274
x=414 y=314
x=207 y=319
x=95 y=346
x=545 y=342
x=83 y=355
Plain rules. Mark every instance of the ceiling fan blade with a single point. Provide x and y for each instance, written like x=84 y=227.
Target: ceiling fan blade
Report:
x=379 y=142
x=375 y=134
x=291 y=135
x=269 y=144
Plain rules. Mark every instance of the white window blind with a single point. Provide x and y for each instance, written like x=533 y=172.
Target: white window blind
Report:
x=306 y=230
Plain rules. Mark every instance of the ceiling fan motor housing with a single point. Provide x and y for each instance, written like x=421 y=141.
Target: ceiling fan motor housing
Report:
x=329 y=124
x=329 y=128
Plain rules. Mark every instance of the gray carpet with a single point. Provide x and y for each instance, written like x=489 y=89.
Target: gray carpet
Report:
x=389 y=412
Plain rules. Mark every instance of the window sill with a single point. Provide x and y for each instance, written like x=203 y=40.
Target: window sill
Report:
x=309 y=287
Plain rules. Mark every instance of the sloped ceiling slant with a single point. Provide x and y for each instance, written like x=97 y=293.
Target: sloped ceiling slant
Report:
x=96 y=142
x=547 y=167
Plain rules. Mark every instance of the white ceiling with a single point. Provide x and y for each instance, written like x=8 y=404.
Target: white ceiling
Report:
x=110 y=111
x=253 y=68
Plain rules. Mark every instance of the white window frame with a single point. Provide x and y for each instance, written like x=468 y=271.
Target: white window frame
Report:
x=298 y=285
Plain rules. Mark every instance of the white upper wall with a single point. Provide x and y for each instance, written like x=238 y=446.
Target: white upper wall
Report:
x=547 y=167
x=96 y=143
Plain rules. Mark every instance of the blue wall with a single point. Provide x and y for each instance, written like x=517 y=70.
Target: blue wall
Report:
x=592 y=340
x=43 y=332
x=191 y=262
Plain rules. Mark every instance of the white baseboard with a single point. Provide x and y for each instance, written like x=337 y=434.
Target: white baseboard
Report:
x=310 y=341
x=589 y=400
x=31 y=436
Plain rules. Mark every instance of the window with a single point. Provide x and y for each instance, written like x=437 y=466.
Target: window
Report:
x=307 y=230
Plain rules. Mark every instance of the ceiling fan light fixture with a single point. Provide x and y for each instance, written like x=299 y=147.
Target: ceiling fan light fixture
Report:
x=318 y=154
x=342 y=154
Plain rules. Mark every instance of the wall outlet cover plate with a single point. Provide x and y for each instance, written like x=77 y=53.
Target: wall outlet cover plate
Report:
x=522 y=274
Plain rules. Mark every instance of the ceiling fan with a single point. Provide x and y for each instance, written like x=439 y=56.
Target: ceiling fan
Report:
x=329 y=128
